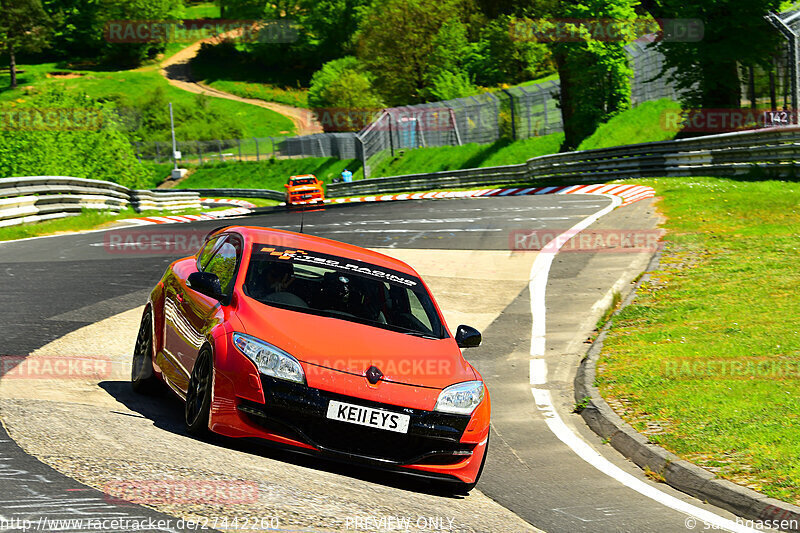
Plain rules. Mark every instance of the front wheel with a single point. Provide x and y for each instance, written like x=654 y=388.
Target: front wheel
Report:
x=143 y=379
x=198 y=395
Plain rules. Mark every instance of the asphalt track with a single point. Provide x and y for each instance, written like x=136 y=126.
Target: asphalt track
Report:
x=51 y=287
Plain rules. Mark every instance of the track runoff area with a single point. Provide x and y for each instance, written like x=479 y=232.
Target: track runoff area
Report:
x=513 y=265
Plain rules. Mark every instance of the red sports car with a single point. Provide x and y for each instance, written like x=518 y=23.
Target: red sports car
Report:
x=322 y=346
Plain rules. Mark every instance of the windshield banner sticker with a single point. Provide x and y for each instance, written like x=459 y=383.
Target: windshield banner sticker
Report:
x=337 y=263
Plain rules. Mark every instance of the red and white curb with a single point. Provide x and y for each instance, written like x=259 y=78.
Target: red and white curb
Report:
x=227 y=201
x=177 y=219
x=628 y=193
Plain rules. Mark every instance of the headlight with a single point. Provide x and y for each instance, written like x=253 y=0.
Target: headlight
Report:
x=461 y=398
x=269 y=360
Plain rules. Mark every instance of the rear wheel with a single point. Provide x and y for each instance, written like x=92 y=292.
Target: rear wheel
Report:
x=198 y=395
x=143 y=379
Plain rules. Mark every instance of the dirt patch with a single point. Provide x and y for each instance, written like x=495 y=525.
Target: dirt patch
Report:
x=63 y=75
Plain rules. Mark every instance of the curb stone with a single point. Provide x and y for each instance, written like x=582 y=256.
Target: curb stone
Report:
x=678 y=473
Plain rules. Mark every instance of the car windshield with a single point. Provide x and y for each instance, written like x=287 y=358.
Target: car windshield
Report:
x=321 y=284
x=304 y=181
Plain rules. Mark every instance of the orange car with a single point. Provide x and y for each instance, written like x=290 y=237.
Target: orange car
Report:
x=303 y=190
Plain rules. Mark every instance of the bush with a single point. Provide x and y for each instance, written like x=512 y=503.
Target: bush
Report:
x=343 y=86
x=101 y=151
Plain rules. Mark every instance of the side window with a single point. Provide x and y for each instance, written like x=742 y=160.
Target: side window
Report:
x=224 y=262
x=205 y=253
x=418 y=310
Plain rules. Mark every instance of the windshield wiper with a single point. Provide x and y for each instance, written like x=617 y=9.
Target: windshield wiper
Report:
x=419 y=334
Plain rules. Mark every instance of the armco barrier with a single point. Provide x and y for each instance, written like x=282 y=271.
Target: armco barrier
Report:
x=771 y=151
x=237 y=193
x=38 y=198
x=143 y=200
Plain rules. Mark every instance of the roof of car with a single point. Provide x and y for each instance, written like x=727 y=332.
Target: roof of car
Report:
x=300 y=241
x=302 y=176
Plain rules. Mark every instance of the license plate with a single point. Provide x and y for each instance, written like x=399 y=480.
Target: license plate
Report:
x=367 y=416
x=306 y=196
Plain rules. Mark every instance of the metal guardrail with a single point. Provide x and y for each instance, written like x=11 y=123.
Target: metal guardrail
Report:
x=237 y=193
x=39 y=198
x=772 y=151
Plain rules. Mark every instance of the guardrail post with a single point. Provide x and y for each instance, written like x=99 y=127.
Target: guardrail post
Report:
x=513 y=114
x=391 y=135
x=363 y=154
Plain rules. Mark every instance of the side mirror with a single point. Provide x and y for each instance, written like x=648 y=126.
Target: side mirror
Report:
x=205 y=283
x=286 y=185
x=468 y=337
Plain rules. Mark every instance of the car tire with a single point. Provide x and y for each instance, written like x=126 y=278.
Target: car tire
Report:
x=143 y=379
x=465 y=488
x=198 y=395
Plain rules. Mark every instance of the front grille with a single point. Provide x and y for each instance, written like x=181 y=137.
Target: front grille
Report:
x=299 y=412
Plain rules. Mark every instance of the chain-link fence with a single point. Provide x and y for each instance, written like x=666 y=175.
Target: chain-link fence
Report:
x=779 y=85
x=340 y=145
x=516 y=113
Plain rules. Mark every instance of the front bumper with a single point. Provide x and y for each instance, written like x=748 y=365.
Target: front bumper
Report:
x=298 y=412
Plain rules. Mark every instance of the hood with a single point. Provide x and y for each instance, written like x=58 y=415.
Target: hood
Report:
x=332 y=343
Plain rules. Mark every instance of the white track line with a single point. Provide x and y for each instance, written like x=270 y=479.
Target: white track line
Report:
x=544 y=402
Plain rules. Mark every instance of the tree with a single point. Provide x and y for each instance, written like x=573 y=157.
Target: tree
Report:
x=341 y=92
x=735 y=33
x=331 y=24
x=24 y=27
x=594 y=74
x=129 y=54
x=396 y=41
x=498 y=58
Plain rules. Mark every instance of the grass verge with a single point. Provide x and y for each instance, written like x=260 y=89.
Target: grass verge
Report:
x=270 y=174
x=136 y=88
x=88 y=219
x=706 y=361
x=440 y=158
x=644 y=123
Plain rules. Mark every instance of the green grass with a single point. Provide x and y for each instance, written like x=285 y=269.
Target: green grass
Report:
x=201 y=10
x=551 y=77
x=440 y=158
x=710 y=349
x=88 y=219
x=271 y=174
x=263 y=91
x=136 y=86
x=644 y=123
